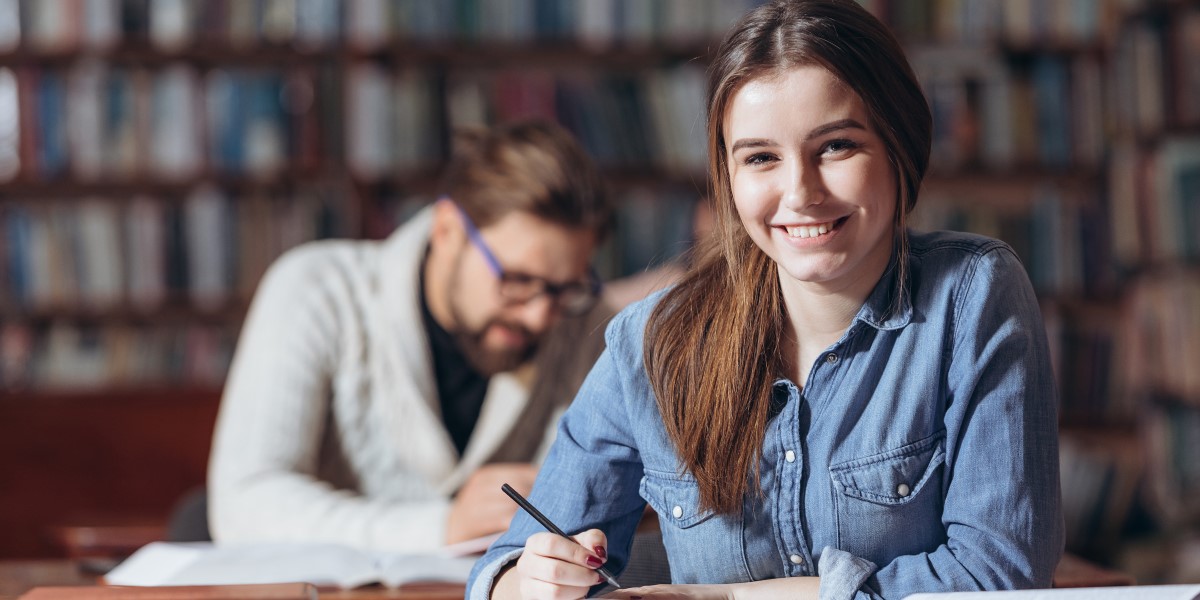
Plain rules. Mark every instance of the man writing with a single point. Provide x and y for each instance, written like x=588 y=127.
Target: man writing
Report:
x=381 y=391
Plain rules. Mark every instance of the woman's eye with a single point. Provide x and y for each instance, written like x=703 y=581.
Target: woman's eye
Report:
x=759 y=159
x=838 y=146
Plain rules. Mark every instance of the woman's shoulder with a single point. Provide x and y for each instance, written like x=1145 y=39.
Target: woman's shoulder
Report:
x=961 y=243
x=629 y=324
x=957 y=254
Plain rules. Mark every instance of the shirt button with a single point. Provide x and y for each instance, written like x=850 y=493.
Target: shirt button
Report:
x=790 y=456
x=902 y=490
x=796 y=559
x=678 y=512
x=831 y=358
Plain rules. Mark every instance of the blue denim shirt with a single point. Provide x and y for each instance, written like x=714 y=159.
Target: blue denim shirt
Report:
x=920 y=456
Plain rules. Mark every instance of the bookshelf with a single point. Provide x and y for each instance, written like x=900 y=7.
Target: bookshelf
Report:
x=156 y=156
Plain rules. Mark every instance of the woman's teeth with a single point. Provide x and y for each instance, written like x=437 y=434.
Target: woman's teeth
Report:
x=807 y=231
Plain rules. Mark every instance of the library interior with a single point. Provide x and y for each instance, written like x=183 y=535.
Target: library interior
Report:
x=156 y=156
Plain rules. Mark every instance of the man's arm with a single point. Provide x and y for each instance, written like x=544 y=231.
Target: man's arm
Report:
x=266 y=449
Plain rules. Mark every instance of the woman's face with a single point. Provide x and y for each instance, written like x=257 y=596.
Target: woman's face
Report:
x=811 y=179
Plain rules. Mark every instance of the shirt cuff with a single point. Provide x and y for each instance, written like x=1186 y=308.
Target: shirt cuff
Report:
x=481 y=587
x=842 y=574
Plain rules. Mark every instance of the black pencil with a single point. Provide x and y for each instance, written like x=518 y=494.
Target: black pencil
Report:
x=550 y=526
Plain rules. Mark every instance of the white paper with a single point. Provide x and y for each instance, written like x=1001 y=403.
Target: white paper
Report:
x=1137 y=592
x=323 y=565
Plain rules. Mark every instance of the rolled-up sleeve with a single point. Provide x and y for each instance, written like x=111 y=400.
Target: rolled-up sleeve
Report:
x=591 y=476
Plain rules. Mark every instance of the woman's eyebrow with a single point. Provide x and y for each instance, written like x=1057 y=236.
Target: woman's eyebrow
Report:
x=817 y=132
x=752 y=143
x=833 y=126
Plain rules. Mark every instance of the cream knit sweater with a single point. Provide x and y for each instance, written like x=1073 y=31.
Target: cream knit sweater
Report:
x=330 y=427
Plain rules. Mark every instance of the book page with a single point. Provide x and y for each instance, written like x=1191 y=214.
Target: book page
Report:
x=325 y=565
x=1137 y=592
x=400 y=569
x=156 y=563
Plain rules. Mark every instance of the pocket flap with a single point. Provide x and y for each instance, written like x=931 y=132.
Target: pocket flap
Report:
x=675 y=499
x=892 y=477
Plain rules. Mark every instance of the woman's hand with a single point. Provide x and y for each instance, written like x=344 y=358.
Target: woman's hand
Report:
x=555 y=568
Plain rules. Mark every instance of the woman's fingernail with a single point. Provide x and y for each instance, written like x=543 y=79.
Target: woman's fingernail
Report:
x=601 y=552
x=594 y=562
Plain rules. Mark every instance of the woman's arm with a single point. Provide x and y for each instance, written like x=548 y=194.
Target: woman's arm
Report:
x=1001 y=509
x=589 y=481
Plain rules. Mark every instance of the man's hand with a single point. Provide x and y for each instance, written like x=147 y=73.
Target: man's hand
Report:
x=481 y=508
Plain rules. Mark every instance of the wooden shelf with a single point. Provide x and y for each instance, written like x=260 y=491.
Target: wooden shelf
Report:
x=231 y=311
x=126 y=187
x=539 y=53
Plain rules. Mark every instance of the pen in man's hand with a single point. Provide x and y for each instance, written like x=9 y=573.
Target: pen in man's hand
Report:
x=549 y=525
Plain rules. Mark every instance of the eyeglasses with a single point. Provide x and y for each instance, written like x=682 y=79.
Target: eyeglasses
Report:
x=573 y=298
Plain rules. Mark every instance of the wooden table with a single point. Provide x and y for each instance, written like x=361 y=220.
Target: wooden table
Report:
x=18 y=577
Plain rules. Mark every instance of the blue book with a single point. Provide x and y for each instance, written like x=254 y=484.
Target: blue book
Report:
x=52 y=122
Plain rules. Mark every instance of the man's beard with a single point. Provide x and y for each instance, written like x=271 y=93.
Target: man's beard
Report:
x=470 y=342
x=487 y=361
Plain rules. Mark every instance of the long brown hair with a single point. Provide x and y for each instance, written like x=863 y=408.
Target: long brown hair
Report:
x=713 y=343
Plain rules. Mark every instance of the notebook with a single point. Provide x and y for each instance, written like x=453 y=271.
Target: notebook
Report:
x=1131 y=592
x=323 y=565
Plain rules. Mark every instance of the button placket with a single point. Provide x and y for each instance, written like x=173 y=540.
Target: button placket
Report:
x=791 y=511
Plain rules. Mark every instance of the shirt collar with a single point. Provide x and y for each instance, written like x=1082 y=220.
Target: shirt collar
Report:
x=879 y=310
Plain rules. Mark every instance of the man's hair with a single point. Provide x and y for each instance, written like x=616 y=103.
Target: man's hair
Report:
x=531 y=166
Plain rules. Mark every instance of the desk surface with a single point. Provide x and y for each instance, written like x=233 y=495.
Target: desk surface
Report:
x=18 y=577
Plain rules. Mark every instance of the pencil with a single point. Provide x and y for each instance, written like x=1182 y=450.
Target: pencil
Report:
x=550 y=526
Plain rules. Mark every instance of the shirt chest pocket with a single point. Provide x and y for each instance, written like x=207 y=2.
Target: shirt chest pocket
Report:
x=890 y=504
x=704 y=547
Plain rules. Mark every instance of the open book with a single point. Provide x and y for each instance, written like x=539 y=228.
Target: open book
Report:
x=323 y=565
x=1131 y=592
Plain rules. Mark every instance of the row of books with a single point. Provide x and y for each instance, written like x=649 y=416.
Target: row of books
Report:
x=643 y=121
x=56 y=25
x=1018 y=22
x=1154 y=68
x=1100 y=477
x=92 y=121
x=1154 y=201
x=1062 y=237
x=1173 y=480
x=208 y=248
x=992 y=113
x=1162 y=337
x=69 y=356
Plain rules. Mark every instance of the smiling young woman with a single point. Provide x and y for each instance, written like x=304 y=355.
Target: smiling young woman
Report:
x=827 y=404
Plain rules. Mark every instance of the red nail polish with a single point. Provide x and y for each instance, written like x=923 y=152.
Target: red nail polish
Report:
x=601 y=552
x=594 y=562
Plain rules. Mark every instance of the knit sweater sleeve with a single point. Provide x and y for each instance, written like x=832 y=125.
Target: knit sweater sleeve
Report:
x=263 y=483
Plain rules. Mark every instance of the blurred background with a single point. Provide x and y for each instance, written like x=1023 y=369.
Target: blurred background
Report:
x=156 y=155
